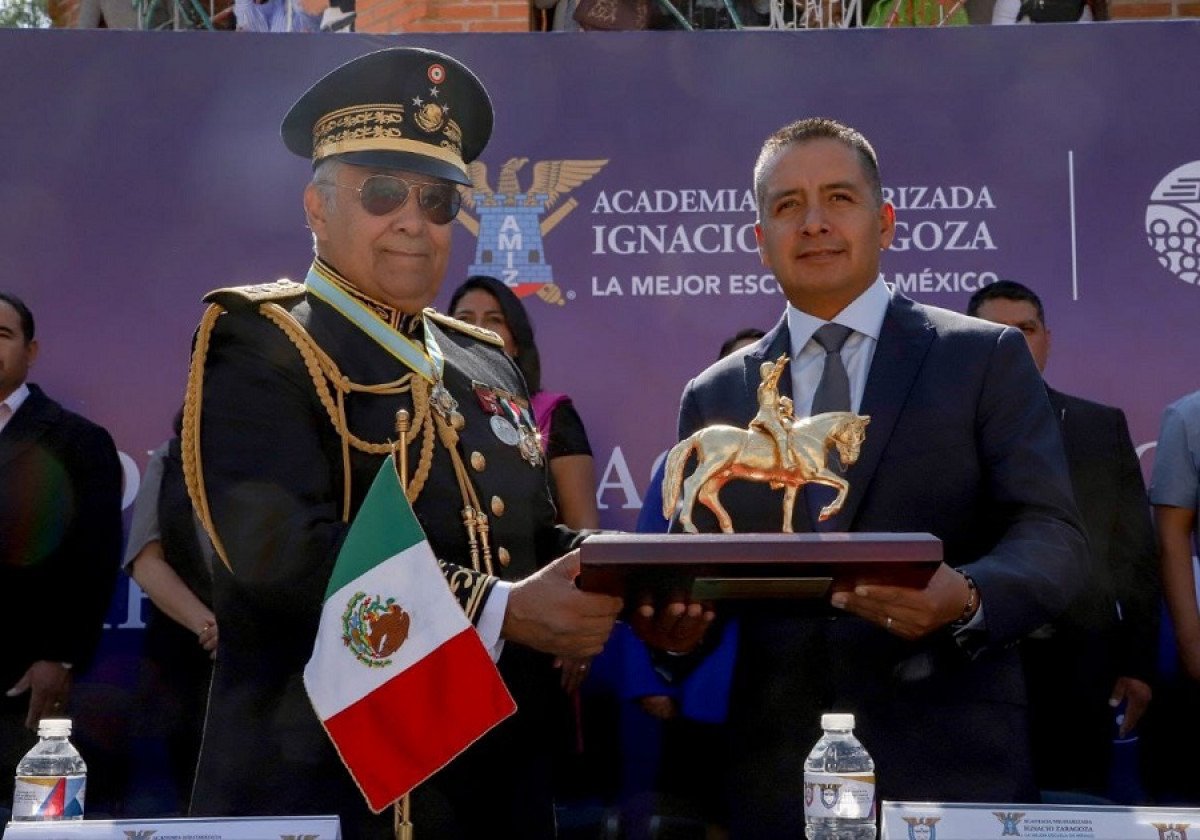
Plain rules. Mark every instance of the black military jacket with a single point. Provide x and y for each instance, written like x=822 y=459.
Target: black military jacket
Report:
x=272 y=468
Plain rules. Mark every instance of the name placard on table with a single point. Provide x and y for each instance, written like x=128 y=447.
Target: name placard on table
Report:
x=980 y=821
x=185 y=828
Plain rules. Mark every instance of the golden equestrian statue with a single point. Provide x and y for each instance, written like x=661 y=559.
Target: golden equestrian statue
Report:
x=776 y=448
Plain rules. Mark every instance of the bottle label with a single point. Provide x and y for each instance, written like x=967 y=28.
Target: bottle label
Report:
x=49 y=797
x=846 y=796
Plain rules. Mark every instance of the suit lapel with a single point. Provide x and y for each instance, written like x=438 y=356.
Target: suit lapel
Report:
x=904 y=341
x=37 y=414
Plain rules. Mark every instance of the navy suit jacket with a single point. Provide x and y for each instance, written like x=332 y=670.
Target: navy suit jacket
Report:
x=60 y=536
x=961 y=444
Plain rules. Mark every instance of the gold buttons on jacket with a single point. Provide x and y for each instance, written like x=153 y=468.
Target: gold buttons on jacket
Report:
x=497 y=506
x=505 y=557
x=478 y=462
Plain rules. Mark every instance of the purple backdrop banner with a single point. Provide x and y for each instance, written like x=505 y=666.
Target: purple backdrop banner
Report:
x=143 y=169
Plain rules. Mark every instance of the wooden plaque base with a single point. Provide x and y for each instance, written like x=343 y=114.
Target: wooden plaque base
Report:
x=752 y=566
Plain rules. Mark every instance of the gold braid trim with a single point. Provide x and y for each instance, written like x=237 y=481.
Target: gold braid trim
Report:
x=324 y=372
x=474 y=519
x=193 y=476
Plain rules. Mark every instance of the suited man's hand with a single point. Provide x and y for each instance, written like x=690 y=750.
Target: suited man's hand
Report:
x=909 y=613
x=676 y=626
x=547 y=612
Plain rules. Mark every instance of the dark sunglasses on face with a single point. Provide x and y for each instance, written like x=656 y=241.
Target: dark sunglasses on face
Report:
x=384 y=194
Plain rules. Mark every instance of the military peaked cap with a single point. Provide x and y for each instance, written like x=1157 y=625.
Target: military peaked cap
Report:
x=400 y=108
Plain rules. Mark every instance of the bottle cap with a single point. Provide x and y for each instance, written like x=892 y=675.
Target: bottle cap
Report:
x=54 y=728
x=834 y=720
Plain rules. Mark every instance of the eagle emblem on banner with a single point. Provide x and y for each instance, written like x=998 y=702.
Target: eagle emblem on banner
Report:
x=513 y=220
x=374 y=628
x=1011 y=820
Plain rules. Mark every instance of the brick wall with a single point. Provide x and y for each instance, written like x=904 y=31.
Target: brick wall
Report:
x=443 y=16
x=1153 y=9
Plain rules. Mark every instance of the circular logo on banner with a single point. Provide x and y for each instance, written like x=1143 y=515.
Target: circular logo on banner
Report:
x=1173 y=222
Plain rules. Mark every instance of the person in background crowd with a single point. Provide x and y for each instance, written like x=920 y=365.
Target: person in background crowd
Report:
x=486 y=302
x=171 y=558
x=961 y=444
x=1175 y=495
x=60 y=542
x=302 y=391
x=278 y=15
x=1101 y=654
x=564 y=14
x=685 y=730
x=1049 y=11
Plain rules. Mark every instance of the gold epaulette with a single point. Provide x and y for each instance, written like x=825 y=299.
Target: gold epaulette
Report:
x=251 y=297
x=481 y=333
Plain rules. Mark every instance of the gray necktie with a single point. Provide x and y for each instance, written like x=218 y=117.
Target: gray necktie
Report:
x=832 y=394
x=833 y=391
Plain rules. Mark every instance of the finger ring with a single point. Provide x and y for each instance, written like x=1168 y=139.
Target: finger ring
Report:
x=582 y=668
x=888 y=624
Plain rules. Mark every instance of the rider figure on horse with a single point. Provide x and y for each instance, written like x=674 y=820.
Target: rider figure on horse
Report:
x=772 y=410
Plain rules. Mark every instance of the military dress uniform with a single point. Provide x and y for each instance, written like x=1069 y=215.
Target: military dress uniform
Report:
x=296 y=395
x=278 y=473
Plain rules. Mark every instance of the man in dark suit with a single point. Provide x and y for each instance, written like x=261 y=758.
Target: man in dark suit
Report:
x=60 y=542
x=961 y=444
x=1102 y=652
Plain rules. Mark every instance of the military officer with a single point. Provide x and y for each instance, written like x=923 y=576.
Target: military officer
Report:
x=297 y=393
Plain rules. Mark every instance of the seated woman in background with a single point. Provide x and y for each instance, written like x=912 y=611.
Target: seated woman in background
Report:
x=486 y=302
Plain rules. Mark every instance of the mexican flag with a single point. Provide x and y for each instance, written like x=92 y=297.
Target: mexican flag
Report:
x=398 y=675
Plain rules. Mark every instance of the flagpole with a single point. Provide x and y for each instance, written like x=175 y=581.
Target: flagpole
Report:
x=403 y=826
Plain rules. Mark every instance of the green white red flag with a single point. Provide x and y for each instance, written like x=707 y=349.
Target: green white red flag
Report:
x=398 y=676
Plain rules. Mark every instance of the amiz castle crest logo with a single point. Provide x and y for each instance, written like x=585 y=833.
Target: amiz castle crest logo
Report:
x=922 y=828
x=373 y=628
x=513 y=221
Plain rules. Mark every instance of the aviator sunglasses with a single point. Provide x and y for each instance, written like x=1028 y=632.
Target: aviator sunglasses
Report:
x=383 y=194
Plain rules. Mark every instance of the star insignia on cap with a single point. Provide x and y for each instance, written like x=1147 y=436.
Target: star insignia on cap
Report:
x=418 y=101
x=433 y=91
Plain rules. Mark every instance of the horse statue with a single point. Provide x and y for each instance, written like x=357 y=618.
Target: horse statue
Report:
x=727 y=452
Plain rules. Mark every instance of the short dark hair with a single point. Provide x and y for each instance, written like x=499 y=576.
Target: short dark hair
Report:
x=22 y=312
x=1006 y=290
x=528 y=359
x=747 y=334
x=817 y=128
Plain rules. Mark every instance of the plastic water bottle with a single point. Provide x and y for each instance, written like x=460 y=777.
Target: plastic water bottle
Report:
x=839 y=785
x=52 y=777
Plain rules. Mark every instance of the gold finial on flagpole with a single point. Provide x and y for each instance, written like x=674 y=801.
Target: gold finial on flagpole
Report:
x=402 y=420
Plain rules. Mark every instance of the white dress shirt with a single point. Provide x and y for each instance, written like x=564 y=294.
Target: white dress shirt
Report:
x=865 y=316
x=10 y=405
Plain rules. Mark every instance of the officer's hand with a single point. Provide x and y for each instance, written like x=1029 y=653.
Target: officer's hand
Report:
x=677 y=625
x=547 y=612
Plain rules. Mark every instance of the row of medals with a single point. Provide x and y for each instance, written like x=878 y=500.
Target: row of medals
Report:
x=510 y=420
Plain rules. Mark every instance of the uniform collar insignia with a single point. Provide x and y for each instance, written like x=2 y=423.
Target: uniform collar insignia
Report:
x=402 y=322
